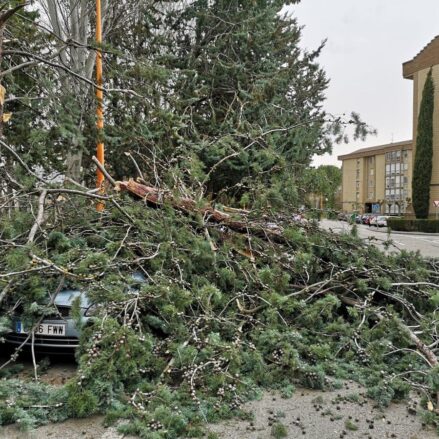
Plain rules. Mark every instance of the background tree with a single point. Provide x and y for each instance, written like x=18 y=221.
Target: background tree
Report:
x=324 y=182
x=223 y=100
x=235 y=106
x=72 y=25
x=424 y=152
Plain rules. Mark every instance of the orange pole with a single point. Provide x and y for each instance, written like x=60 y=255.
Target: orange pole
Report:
x=100 y=103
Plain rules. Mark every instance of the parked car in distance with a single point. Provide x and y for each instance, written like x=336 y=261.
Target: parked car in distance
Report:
x=58 y=333
x=378 y=221
x=366 y=218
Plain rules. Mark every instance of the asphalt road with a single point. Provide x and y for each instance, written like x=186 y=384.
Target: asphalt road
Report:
x=428 y=245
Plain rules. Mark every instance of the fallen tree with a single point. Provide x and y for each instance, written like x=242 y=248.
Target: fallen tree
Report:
x=234 y=302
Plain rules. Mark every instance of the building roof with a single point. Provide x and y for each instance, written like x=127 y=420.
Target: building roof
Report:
x=374 y=150
x=427 y=57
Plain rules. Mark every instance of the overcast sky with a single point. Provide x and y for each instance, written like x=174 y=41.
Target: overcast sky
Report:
x=368 y=40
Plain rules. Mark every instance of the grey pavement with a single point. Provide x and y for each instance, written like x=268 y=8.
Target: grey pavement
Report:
x=428 y=245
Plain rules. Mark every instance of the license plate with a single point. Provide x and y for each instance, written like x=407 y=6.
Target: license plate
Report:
x=43 y=329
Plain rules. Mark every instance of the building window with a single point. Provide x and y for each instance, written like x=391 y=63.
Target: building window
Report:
x=371 y=171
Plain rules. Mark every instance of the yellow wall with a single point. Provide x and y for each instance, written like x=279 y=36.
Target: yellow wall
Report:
x=410 y=172
x=348 y=186
x=380 y=170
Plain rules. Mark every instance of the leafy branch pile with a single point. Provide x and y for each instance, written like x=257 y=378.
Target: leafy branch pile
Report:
x=223 y=314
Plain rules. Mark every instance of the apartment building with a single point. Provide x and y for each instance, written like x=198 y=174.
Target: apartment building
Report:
x=378 y=179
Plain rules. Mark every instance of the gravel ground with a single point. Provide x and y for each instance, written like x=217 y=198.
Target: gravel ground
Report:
x=326 y=415
x=308 y=414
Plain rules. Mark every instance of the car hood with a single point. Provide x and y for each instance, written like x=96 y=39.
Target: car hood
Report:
x=66 y=298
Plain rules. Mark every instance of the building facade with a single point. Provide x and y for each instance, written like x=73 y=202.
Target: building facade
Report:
x=378 y=179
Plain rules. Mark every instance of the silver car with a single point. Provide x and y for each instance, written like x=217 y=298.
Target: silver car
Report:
x=58 y=332
x=379 y=221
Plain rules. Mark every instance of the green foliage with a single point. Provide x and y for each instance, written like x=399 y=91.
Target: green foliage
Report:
x=288 y=391
x=324 y=181
x=17 y=259
x=208 y=329
x=423 y=164
x=279 y=430
x=430 y=418
x=80 y=402
x=350 y=425
x=58 y=242
x=30 y=404
x=13 y=226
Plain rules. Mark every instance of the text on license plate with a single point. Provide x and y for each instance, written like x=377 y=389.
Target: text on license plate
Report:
x=43 y=329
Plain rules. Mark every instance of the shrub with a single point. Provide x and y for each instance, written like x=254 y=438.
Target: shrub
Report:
x=278 y=430
x=414 y=225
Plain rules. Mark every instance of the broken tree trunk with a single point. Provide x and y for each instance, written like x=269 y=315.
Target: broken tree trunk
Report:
x=158 y=197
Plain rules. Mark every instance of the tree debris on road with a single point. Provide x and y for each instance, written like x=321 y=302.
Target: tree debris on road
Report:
x=234 y=302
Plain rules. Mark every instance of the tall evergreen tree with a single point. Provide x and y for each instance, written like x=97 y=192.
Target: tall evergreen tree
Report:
x=217 y=96
x=233 y=101
x=424 y=151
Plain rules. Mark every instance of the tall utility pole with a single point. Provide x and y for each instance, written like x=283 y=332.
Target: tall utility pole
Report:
x=100 y=102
